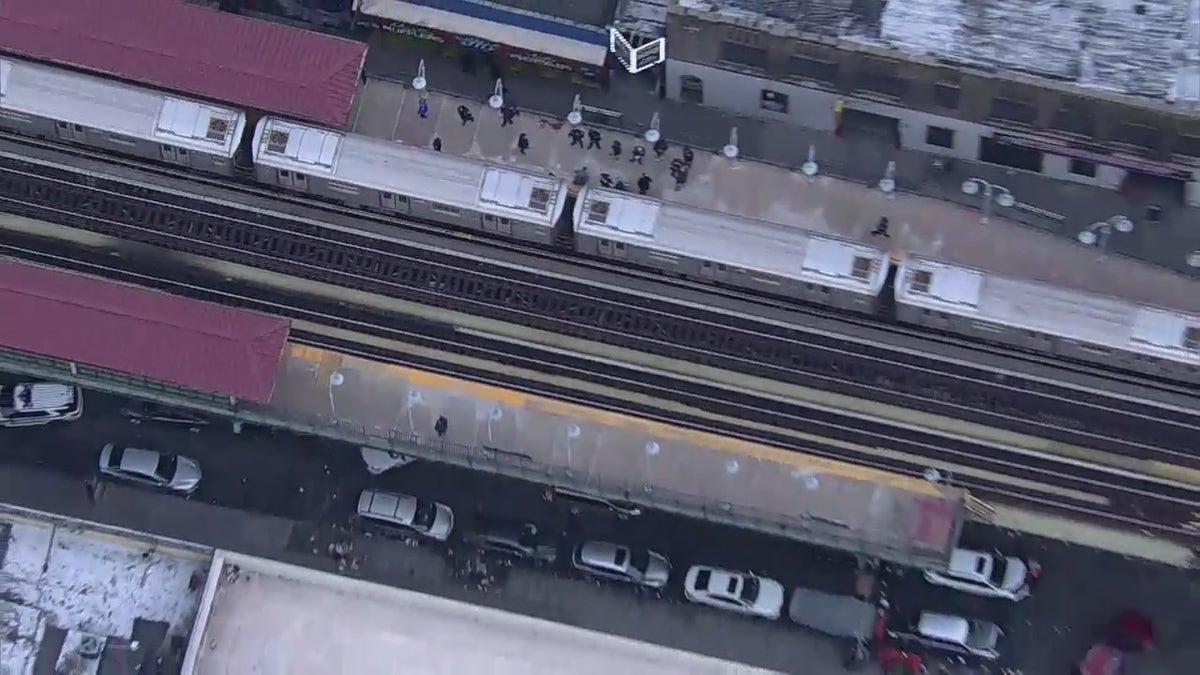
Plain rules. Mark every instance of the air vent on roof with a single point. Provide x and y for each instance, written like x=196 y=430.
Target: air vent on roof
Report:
x=863 y=267
x=277 y=141
x=921 y=280
x=539 y=199
x=218 y=129
x=598 y=212
x=1191 y=338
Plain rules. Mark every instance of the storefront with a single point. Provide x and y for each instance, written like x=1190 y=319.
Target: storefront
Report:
x=477 y=42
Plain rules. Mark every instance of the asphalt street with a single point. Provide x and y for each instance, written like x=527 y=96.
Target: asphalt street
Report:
x=297 y=496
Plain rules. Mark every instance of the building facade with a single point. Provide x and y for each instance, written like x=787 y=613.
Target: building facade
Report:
x=799 y=70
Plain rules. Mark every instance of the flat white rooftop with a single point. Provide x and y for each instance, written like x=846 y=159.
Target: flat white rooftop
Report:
x=62 y=587
x=269 y=618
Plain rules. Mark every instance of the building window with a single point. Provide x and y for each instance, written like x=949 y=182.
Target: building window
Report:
x=1082 y=167
x=880 y=78
x=773 y=101
x=946 y=96
x=1137 y=134
x=446 y=209
x=1188 y=145
x=691 y=89
x=939 y=136
x=805 y=68
x=1013 y=111
x=743 y=55
x=1074 y=118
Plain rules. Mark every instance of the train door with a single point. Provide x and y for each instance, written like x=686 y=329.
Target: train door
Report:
x=293 y=179
x=173 y=154
x=70 y=132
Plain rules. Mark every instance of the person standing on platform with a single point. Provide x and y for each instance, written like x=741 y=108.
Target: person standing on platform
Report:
x=423 y=108
x=437 y=143
x=616 y=149
x=593 y=139
x=523 y=142
x=464 y=114
x=507 y=113
x=638 y=154
x=576 y=137
x=660 y=148
x=644 y=184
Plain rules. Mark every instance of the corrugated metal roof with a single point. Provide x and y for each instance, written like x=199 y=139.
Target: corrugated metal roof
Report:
x=192 y=49
x=106 y=324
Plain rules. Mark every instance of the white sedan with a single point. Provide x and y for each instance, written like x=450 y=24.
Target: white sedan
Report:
x=988 y=574
x=741 y=592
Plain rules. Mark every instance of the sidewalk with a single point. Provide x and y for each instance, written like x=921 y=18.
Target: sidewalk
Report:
x=863 y=160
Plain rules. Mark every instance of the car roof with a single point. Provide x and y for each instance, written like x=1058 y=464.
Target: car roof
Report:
x=968 y=562
x=600 y=552
x=43 y=396
x=944 y=627
x=388 y=505
x=718 y=580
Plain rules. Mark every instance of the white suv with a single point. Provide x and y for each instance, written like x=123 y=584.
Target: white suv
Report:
x=31 y=404
x=988 y=574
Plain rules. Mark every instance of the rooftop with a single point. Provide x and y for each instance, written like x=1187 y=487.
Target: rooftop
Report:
x=194 y=50
x=273 y=619
x=1143 y=48
x=197 y=345
x=65 y=593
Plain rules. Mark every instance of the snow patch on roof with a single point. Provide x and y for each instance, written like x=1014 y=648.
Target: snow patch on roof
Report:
x=87 y=584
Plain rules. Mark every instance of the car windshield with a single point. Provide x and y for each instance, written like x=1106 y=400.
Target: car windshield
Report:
x=639 y=559
x=999 y=567
x=750 y=589
x=166 y=466
x=426 y=512
x=702 y=580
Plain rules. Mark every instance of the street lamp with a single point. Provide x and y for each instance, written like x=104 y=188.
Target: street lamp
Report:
x=1003 y=197
x=1098 y=233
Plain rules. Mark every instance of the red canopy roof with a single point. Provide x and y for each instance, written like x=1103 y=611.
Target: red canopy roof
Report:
x=195 y=50
x=107 y=324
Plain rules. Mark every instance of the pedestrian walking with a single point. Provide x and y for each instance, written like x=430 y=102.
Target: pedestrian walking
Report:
x=576 y=137
x=507 y=113
x=881 y=229
x=423 y=108
x=688 y=156
x=644 y=184
x=676 y=165
x=638 y=154
x=522 y=142
x=660 y=148
x=437 y=143
x=616 y=149
x=593 y=139
x=464 y=114
x=681 y=177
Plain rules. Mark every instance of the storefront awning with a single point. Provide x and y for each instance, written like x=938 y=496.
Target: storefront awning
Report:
x=500 y=33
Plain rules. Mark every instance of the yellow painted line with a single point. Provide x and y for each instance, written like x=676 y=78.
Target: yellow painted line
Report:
x=718 y=443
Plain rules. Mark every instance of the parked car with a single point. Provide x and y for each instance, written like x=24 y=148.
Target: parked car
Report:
x=29 y=404
x=1121 y=649
x=742 y=592
x=950 y=634
x=404 y=513
x=987 y=574
x=622 y=563
x=152 y=412
x=164 y=471
x=516 y=539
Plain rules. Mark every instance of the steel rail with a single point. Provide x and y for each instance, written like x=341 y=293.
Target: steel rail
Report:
x=1094 y=493
x=850 y=319
x=309 y=251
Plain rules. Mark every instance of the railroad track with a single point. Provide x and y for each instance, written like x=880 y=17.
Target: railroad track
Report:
x=850 y=320
x=307 y=250
x=1094 y=493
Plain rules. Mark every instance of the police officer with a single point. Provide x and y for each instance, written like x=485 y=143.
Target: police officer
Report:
x=576 y=137
x=616 y=148
x=643 y=184
x=522 y=142
x=660 y=147
x=593 y=139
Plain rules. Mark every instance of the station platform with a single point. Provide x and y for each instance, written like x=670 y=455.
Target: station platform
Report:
x=918 y=225
x=841 y=505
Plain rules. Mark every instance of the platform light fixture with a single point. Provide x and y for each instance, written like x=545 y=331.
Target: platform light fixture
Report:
x=991 y=192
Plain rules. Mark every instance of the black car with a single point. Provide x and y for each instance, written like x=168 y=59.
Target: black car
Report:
x=525 y=541
x=152 y=412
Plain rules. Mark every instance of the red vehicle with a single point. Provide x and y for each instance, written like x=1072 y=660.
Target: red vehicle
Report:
x=1130 y=635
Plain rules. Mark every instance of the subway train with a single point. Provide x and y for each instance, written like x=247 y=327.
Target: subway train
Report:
x=390 y=178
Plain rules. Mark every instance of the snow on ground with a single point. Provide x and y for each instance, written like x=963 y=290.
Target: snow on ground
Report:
x=90 y=582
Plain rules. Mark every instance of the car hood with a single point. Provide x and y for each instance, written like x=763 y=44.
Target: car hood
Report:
x=187 y=474
x=1016 y=574
x=770 y=597
x=658 y=570
x=443 y=523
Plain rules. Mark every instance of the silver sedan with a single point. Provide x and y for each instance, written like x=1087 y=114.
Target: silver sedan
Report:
x=622 y=563
x=163 y=471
